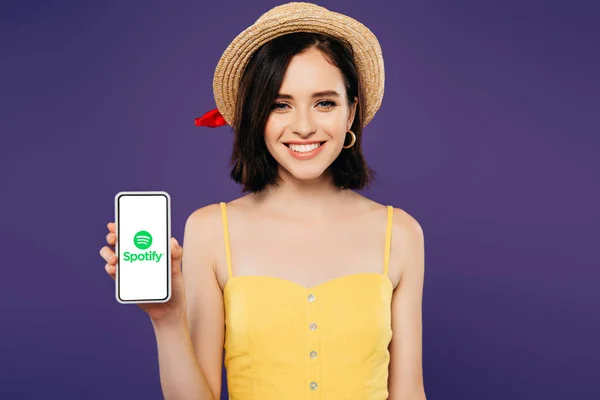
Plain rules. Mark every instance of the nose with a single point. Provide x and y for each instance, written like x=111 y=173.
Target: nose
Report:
x=303 y=123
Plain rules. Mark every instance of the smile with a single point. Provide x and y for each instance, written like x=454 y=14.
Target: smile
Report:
x=304 y=151
x=303 y=148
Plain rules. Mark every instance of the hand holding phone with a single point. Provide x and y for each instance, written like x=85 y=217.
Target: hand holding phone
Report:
x=155 y=283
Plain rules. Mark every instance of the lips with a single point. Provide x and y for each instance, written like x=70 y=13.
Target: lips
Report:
x=304 y=151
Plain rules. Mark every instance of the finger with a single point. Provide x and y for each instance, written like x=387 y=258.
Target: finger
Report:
x=111 y=238
x=108 y=255
x=176 y=257
x=176 y=249
x=111 y=226
x=110 y=269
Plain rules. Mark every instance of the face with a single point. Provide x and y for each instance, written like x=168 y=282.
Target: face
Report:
x=307 y=125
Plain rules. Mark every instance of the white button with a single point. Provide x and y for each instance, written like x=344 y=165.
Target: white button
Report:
x=313 y=326
x=311 y=297
x=313 y=354
x=313 y=385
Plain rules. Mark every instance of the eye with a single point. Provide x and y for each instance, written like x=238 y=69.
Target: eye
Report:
x=328 y=103
x=278 y=106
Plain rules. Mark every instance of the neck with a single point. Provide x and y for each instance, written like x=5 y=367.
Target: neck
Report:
x=316 y=197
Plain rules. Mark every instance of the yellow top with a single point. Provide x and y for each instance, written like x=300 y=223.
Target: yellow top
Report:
x=287 y=341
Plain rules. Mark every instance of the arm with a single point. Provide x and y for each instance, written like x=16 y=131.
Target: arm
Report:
x=407 y=255
x=190 y=350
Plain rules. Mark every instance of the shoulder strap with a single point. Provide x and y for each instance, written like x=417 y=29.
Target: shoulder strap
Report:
x=226 y=235
x=388 y=240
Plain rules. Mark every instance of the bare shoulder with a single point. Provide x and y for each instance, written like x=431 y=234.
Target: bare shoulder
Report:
x=207 y=220
x=405 y=224
x=204 y=218
x=204 y=232
x=201 y=225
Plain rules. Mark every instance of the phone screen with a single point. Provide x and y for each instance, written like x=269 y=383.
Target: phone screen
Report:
x=143 y=253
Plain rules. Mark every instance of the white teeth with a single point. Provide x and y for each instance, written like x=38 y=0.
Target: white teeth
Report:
x=303 y=148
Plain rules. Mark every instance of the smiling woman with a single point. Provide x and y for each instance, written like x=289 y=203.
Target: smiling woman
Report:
x=312 y=289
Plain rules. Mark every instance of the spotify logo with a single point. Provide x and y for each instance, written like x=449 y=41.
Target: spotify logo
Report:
x=142 y=240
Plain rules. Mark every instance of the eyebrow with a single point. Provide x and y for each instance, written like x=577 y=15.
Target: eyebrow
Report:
x=324 y=93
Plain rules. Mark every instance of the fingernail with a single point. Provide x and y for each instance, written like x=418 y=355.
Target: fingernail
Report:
x=111 y=235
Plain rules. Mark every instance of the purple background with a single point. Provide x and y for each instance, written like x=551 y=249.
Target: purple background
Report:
x=487 y=135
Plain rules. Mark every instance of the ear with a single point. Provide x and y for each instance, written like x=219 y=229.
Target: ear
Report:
x=352 y=113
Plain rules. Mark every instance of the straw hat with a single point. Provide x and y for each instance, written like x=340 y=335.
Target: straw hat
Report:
x=288 y=18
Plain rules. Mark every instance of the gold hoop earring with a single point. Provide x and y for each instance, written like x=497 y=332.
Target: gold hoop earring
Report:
x=353 y=140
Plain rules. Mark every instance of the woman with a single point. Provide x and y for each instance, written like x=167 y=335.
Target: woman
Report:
x=313 y=290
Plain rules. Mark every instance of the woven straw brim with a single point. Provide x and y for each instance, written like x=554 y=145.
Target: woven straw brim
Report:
x=300 y=17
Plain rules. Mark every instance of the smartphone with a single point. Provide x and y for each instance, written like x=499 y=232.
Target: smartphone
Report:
x=143 y=228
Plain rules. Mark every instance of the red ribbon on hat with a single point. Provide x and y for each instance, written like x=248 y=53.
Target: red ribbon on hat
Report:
x=211 y=119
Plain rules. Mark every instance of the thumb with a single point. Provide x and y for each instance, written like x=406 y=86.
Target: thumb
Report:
x=176 y=255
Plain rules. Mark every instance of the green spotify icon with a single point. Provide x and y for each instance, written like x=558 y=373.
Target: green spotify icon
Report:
x=142 y=240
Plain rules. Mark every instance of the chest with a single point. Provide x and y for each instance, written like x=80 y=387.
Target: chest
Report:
x=303 y=252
